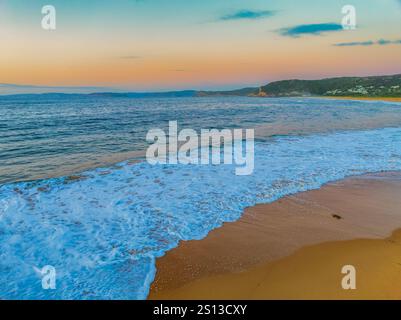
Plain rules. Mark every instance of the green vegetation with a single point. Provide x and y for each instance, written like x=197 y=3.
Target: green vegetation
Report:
x=382 y=86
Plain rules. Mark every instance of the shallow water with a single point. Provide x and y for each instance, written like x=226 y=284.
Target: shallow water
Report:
x=42 y=137
x=103 y=229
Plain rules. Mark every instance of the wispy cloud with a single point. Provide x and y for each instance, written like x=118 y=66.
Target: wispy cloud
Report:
x=247 y=15
x=355 y=44
x=180 y=70
x=310 y=29
x=130 y=57
x=381 y=42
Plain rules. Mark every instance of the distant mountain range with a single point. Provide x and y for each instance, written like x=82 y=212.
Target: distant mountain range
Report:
x=56 y=95
x=375 y=86
x=170 y=94
x=238 y=92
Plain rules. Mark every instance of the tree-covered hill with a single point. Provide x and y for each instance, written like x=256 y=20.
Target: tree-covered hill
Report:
x=379 y=86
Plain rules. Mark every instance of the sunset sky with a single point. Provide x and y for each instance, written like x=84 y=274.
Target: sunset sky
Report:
x=153 y=45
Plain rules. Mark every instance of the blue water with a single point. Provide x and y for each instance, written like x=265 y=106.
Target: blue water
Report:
x=44 y=137
x=103 y=228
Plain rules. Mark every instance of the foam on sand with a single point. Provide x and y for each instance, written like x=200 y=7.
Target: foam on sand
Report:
x=102 y=230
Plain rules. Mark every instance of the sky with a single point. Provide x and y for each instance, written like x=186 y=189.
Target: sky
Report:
x=159 y=45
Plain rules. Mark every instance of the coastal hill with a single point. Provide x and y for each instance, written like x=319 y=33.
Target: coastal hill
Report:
x=376 y=86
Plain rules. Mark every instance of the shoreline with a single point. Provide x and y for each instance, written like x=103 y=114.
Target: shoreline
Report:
x=231 y=259
x=387 y=99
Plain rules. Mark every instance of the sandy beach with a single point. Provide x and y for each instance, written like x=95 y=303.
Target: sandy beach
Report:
x=389 y=99
x=294 y=248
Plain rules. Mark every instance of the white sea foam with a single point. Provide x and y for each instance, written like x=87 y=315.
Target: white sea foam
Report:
x=103 y=232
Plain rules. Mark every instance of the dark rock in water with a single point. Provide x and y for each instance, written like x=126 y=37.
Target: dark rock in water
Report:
x=73 y=178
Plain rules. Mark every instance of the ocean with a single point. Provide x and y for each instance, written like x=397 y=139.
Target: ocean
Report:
x=76 y=193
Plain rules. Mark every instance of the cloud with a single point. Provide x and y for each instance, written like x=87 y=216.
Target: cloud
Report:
x=381 y=42
x=247 y=15
x=312 y=29
x=130 y=57
x=354 y=44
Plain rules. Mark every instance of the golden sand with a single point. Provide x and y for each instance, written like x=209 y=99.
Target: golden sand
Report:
x=294 y=248
x=311 y=273
x=390 y=99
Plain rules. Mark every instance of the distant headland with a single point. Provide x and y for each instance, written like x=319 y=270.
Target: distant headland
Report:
x=374 y=87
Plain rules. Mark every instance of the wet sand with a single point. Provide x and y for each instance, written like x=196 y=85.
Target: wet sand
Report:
x=294 y=248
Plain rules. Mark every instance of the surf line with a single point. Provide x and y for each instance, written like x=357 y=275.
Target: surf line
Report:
x=226 y=146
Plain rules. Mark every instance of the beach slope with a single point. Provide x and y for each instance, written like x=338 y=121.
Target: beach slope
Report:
x=295 y=248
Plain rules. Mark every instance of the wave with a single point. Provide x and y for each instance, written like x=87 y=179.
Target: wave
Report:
x=103 y=229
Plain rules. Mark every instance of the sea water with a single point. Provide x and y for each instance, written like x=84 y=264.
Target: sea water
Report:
x=103 y=227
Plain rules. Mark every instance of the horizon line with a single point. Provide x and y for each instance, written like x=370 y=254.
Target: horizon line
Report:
x=116 y=90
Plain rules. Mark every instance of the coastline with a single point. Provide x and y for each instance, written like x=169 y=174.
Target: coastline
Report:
x=388 y=99
x=256 y=256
